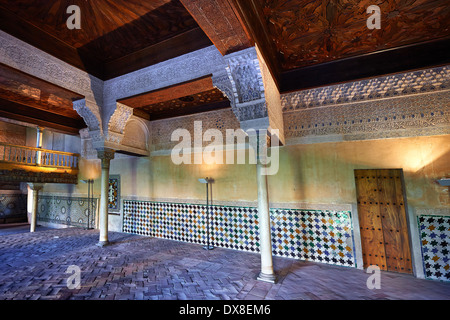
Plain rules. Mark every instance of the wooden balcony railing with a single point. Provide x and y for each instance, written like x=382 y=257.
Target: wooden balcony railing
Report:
x=38 y=157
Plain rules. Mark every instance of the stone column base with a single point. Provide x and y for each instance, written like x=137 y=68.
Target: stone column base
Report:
x=103 y=243
x=271 y=278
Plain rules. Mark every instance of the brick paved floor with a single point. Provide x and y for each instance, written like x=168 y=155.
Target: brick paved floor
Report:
x=33 y=266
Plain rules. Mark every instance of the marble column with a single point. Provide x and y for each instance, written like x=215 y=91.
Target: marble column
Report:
x=35 y=188
x=105 y=155
x=265 y=241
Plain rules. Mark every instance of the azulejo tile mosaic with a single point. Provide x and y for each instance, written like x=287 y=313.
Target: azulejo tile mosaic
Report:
x=322 y=236
x=70 y=211
x=13 y=206
x=435 y=235
x=235 y=228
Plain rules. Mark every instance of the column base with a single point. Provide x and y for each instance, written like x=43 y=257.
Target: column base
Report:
x=208 y=247
x=271 y=278
x=103 y=243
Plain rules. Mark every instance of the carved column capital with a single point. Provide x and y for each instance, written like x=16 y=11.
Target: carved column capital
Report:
x=105 y=155
x=242 y=83
x=245 y=75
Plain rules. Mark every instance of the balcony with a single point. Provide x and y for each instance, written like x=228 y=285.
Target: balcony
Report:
x=27 y=164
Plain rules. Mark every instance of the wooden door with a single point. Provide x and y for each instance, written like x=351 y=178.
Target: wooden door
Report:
x=382 y=218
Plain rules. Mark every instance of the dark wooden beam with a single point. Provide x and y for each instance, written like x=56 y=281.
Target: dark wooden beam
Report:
x=251 y=15
x=401 y=59
x=28 y=90
x=218 y=19
x=19 y=112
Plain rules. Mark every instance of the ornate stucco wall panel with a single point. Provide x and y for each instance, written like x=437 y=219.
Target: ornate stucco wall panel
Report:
x=403 y=105
x=161 y=130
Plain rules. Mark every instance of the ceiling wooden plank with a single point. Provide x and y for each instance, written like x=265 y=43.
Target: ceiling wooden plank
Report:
x=309 y=32
x=190 y=111
x=116 y=37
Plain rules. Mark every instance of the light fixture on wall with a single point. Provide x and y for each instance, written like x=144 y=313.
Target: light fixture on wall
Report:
x=445 y=182
x=207 y=181
x=90 y=183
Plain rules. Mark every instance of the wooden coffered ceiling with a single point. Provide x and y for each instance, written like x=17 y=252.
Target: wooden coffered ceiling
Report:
x=116 y=36
x=305 y=43
x=179 y=100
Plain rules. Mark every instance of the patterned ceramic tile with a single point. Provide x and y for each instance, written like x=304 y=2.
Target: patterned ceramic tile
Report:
x=435 y=236
x=236 y=228
x=322 y=236
x=13 y=206
x=69 y=211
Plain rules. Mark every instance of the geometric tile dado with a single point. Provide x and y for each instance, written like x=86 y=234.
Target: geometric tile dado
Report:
x=70 y=211
x=435 y=240
x=322 y=236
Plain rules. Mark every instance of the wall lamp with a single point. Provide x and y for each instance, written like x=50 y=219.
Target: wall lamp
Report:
x=90 y=183
x=445 y=182
x=207 y=181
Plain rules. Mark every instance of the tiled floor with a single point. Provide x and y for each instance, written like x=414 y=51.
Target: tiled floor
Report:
x=33 y=266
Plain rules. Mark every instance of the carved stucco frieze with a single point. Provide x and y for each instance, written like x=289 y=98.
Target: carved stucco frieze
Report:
x=392 y=86
x=400 y=105
x=408 y=116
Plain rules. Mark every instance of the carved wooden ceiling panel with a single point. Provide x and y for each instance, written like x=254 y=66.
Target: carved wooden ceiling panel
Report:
x=308 y=32
x=199 y=102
